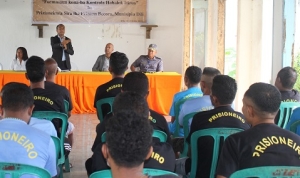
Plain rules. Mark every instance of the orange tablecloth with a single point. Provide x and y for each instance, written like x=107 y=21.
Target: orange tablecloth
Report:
x=83 y=85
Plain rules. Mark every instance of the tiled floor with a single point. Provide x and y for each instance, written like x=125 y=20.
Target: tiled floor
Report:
x=84 y=135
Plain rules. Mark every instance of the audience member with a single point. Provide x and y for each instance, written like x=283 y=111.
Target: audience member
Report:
x=265 y=144
x=21 y=143
x=118 y=64
x=148 y=63
x=223 y=92
x=128 y=158
x=102 y=62
x=20 y=60
x=191 y=80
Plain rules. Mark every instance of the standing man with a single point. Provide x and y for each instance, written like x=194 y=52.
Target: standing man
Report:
x=148 y=63
x=61 y=48
x=102 y=62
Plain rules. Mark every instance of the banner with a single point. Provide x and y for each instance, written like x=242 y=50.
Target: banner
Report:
x=89 y=11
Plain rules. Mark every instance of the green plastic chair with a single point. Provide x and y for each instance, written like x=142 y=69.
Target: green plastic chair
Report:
x=67 y=162
x=50 y=115
x=177 y=111
x=67 y=105
x=268 y=171
x=146 y=171
x=16 y=170
x=100 y=103
x=57 y=147
x=162 y=136
x=286 y=109
x=216 y=134
x=186 y=130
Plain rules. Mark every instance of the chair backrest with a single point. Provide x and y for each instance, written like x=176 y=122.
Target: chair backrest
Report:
x=286 y=109
x=162 y=136
x=146 y=171
x=216 y=134
x=186 y=130
x=50 y=115
x=16 y=170
x=268 y=171
x=57 y=146
x=67 y=105
x=99 y=108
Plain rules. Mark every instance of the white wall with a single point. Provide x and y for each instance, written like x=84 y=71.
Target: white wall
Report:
x=89 y=40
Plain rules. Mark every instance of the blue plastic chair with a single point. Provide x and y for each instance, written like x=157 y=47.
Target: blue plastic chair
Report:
x=268 y=171
x=16 y=170
x=102 y=102
x=286 y=109
x=186 y=130
x=293 y=122
x=146 y=171
x=50 y=115
x=162 y=136
x=216 y=134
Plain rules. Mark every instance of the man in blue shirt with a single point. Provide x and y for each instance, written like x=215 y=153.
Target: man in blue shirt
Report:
x=202 y=103
x=19 y=142
x=191 y=80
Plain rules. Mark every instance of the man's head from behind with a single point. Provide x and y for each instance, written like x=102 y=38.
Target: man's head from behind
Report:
x=136 y=82
x=118 y=63
x=286 y=79
x=51 y=67
x=17 y=101
x=223 y=90
x=131 y=101
x=35 y=69
x=207 y=79
x=128 y=140
x=261 y=103
x=192 y=76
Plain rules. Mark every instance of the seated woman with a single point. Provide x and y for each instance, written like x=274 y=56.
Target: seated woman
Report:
x=20 y=60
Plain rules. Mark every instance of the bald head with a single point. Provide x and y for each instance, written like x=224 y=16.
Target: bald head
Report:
x=51 y=67
x=109 y=48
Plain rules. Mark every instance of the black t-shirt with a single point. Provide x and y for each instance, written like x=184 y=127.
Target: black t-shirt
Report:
x=157 y=121
x=223 y=116
x=109 y=89
x=64 y=92
x=262 y=145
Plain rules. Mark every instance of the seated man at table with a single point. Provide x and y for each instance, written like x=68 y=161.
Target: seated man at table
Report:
x=118 y=64
x=102 y=62
x=45 y=100
x=21 y=143
x=191 y=80
x=148 y=63
x=136 y=133
x=162 y=157
x=223 y=92
x=265 y=144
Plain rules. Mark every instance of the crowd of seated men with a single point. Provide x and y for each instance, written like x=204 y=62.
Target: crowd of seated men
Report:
x=129 y=146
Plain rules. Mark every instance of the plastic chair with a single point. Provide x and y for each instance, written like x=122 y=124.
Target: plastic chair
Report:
x=16 y=170
x=67 y=162
x=162 y=136
x=186 y=130
x=50 y=115
x=268 y=171
x=286 y=109
x=67 y=105
x=100 y=103
x=57 y=147
x=177 y=110
x=294 y=122
x=216 y=134
x=146 y=171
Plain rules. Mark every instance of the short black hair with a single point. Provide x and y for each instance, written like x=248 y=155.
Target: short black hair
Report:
x=131 y=101
x=136 y=82
x=210 y=71
x=288 y=77
x=193 y=73
x=24 y=52
x=266 y=97
x=59 y=25
x=16 y=96
x=35 y=69
x=128 y=138
x=118 y=63
x=224 y=88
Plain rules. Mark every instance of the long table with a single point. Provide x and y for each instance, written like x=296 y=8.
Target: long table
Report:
x=83 y=85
